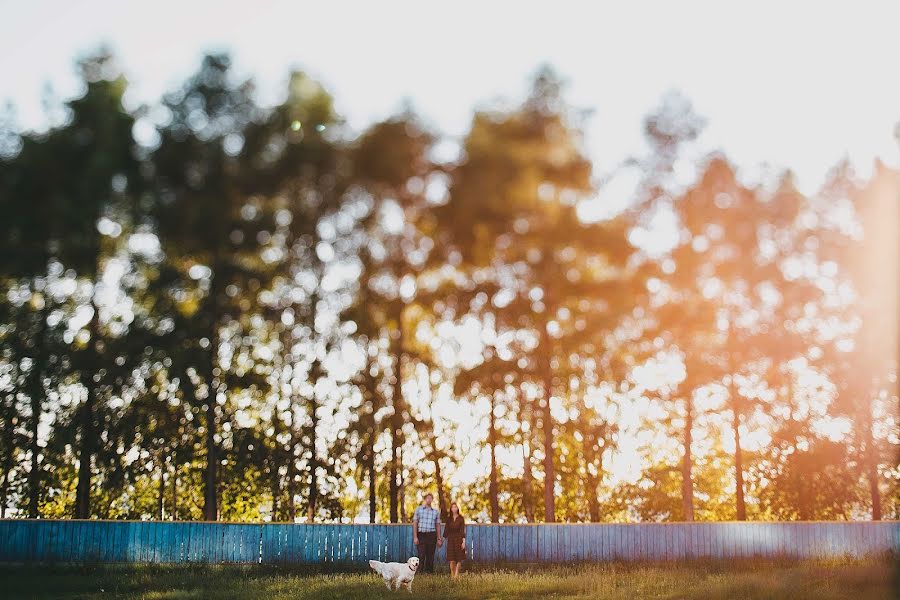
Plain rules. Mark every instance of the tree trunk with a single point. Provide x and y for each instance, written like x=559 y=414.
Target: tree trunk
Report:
x=274 y=485
x=549 y=468
x=34 y=474
x=213 y=386
x=9 y=438
x=315 y=374
x=803 y=504
x=493 y=488
x=370 y=389
x=162 y=491
x=36 y=393
x=174 y=509
x=396 y=430
x=4 y=494
x=211 y=471
x=592 y=479
x=593 y=482
x=392 y=475
x=874 y=490
x=291 y=476
x=794 y=429
x=9 y=441
x=738 y=463
x=732 y=343
x=313 y=458
x=313 y=484
x=85 y=457
x=872 y=469
x=593 y=501
x=7 y=464
x=401 y=493
x=527 y=475
x=443 y=509
x=372 y=492
x=87 y=442
x=687 y=464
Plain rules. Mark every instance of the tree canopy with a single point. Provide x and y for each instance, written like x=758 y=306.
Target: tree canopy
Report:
x=253 y=312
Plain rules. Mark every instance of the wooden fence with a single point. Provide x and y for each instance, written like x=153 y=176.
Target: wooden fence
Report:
x=69 y=541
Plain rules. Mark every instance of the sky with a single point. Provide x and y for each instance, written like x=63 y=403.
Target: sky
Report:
x=791 y=84
x=796 y=85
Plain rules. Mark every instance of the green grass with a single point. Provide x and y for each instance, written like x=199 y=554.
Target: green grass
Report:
x=821 y=580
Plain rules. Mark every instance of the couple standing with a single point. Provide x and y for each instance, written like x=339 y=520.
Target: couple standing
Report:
x=427 y=535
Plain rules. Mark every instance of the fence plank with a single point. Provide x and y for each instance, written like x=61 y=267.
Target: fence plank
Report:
x=312 y=544
x=344 y=543
x=323 y=539
x=283 y=542
x=357 y=540
x=87 y=543
x=106 y=541
x=316 y=542
x=868 y=545
x=347 y=543
x=334 y=541
x=346 y=547
x=372 y=537
x=392 y=537
x=238 y=543
x=326 y=539
x=866 y=538
x=293 y=546
x=168 y=533
x=545 y=554
x=230 y=542
x=19 y=545
x=397 y=544
x=373 y=542
x=377 y=542
x=268 y=548
x=153 y=540
x=115 y=549
x=6 y=528
x=198 y=543
x=359 y=544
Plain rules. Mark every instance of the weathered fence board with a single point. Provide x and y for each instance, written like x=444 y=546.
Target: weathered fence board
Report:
x=49 y=541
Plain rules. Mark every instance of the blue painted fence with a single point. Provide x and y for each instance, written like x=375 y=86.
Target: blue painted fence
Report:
x=69 y=541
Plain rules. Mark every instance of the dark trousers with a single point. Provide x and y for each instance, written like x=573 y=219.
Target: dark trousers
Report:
x=426 y=548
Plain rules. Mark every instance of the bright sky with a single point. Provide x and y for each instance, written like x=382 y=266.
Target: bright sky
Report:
x=799 y=84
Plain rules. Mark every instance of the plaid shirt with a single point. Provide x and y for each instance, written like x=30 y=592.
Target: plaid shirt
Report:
x=427 y=519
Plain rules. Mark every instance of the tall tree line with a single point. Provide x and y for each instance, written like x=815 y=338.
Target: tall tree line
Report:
x=211 y=308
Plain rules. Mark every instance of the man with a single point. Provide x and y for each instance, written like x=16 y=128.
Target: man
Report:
x=427 y=532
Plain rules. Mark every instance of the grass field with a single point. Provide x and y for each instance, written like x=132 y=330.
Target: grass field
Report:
x=821 y=580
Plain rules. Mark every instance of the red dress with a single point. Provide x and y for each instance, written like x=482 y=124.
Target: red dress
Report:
x=455 y=532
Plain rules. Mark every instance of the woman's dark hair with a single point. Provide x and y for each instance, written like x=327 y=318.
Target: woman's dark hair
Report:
x=450 y=510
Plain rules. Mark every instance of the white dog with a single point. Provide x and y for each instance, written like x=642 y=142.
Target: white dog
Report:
x=396 y=574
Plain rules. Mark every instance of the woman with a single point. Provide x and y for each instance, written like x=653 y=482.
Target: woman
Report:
x=455 y=534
